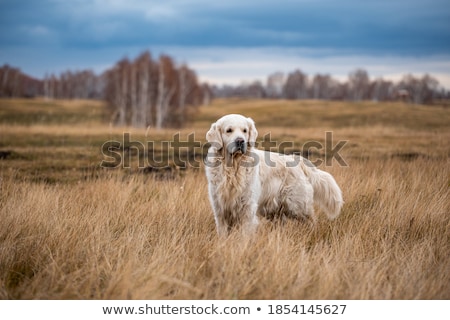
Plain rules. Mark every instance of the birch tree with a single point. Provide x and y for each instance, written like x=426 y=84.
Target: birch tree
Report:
x=322 y=87
x=119 y=91
x=187 y=83
x=358 y=82
x=134 y=95
x=144 y=92
x=275 y=83
x=144 y=107
x=166 y=89
x=296 y=85
x=381 y=90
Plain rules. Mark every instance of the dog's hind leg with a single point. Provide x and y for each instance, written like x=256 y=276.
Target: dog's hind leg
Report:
x=299 y=204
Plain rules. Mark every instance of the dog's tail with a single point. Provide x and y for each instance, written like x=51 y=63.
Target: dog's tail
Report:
x=327 y=193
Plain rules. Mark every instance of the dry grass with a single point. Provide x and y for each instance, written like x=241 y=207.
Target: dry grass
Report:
x=121 y=235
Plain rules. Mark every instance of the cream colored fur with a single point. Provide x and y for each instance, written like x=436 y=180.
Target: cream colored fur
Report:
x=245 y=183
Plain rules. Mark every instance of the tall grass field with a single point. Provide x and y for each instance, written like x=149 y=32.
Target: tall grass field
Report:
x=71 y=228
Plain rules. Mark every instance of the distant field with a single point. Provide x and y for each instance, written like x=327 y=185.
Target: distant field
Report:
x=74 y=230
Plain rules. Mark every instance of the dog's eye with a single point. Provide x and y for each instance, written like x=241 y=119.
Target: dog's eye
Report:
x=229 y=130
x=245 y=130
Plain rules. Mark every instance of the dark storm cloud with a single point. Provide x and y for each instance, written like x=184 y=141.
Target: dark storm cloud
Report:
x=52 y=28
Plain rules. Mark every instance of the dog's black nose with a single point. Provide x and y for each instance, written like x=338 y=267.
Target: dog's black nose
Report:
x=239 y=143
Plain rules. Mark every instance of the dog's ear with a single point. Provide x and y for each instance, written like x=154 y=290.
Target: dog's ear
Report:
x=253 y=133
x=214 y=137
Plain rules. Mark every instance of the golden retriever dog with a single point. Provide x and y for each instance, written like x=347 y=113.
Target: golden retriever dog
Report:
x=245 y=183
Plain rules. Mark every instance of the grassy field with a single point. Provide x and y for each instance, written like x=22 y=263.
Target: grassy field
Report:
x=71 y=229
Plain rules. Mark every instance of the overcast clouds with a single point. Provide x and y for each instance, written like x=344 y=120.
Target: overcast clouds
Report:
x=231 y=41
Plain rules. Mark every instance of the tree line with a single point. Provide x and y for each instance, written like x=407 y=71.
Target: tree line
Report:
x=68 y=85
x=161 y=93
x=142 y=92
x=359 y=86
x=157 y=93
x=83 y=84
x=14 y=83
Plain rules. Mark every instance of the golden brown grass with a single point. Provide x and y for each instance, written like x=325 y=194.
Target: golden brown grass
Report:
x=122 y=235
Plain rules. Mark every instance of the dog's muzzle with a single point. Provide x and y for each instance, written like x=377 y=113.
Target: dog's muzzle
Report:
x=237 y=146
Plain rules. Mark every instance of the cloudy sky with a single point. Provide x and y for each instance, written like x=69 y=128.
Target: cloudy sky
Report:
x=234 y=40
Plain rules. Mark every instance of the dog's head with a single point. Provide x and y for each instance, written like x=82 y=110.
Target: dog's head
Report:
x=233 y=134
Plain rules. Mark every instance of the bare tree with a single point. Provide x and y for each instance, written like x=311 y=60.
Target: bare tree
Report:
x=144 y=107
x=207 y=94
x=10 y=81
x=133 y=95
x=430 y=88
x=5 y=71
x=275 y=83
x=46 y=87
x=119 y=77
x=421 y=90
x=256 y=90
x=187 y=82
x=381 y=90
x=14 y=83
x=358 y=82
x=322 y=87
x=144 y=93
x=296 y=85
x=166 y=89
x=51 y=94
